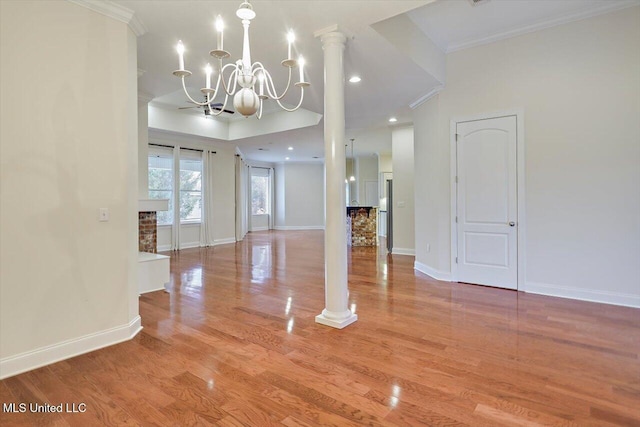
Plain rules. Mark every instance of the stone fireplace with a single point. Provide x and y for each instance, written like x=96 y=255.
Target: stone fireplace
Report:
x=148 y=223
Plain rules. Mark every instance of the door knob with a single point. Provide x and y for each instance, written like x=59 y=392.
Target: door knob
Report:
x=512 y=224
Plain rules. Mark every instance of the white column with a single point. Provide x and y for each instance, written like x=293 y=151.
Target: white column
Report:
x=336 y=313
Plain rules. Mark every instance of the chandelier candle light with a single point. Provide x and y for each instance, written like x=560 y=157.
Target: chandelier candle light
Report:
x=243 y=73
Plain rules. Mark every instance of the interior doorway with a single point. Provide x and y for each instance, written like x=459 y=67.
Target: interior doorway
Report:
x=486 y=223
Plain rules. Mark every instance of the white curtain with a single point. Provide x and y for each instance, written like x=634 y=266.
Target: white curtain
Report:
x=242 y=180
x=272 y=199
x=246 y=187
x=206 y=226
x=175 y=228
x=249 y=210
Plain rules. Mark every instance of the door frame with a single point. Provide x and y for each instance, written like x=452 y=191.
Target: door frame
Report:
x=520 y=188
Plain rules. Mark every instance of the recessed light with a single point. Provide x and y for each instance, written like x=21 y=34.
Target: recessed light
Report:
x=393 y=120
x=290 y=148
x=286 y=158
x=354 y=79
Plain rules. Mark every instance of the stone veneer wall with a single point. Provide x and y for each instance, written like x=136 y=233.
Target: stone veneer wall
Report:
x=364 y=227
x=148 y=232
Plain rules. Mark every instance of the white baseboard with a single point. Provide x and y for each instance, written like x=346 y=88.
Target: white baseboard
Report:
x=259 y=228
x=403 y=251
x=189 y=245
x=606 y=297
x=225 y=241
x=298 y=227
x=445 y=276
x=14 y=365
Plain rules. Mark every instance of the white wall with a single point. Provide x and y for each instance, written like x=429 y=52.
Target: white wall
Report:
x=299 y=196
x=431 y=188
x=403 y=195
x=367 y=171
x=280 y=208
x=68 y=282
x=578 y=84
x=223 y=190
x=259 y=222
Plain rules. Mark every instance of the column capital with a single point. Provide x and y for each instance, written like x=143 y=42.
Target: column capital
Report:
x=334 y=37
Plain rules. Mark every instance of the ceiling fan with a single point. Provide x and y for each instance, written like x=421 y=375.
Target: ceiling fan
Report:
x=207 y=111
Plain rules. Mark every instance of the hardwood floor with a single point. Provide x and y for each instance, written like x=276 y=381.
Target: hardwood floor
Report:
x=235 y=343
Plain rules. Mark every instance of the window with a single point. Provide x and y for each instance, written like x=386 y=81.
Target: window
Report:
x=190 y=190
x=260 y=192
x=161 y=185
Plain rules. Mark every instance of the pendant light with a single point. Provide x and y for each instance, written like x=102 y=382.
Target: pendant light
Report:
x=352 y=178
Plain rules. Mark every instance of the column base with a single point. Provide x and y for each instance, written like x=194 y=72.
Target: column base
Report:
x=336 y=323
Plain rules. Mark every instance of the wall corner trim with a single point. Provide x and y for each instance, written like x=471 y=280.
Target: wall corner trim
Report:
x=23 y=362
x=444 y=276
x=115 y=11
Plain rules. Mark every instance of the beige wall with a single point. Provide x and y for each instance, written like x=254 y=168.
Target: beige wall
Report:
x=385 y=163
x=66 y=276
x=299 y=196
x=579 y=86
x=367 y=171
x=431 y=189
x=403 y=194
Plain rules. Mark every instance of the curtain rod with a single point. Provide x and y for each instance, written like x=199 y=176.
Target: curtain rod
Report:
x=182 y=148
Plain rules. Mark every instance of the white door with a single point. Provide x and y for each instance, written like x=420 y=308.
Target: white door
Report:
x=487 y=202
x=371 y=193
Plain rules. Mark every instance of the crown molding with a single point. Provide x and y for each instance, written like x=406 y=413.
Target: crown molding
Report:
x=600 y=10
x=137 y=26
x=424 y=98
x=115 y=11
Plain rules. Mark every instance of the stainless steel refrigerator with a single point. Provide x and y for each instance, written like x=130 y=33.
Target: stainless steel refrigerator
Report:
x=389 y=215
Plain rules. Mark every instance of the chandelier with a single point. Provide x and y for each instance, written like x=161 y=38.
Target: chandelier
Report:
x=243 y=73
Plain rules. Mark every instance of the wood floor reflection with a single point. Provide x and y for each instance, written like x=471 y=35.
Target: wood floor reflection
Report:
x=234 y=343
